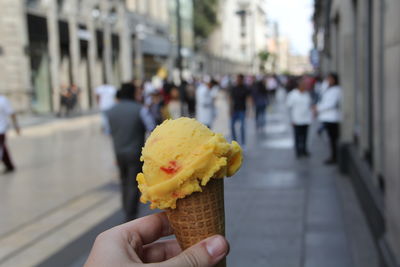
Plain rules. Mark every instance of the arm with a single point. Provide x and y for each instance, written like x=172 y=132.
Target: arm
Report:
x=9 y=110
x=230 y=102
x=290 y=103
x=147 y=119
x=329 y=101
x=15 y=123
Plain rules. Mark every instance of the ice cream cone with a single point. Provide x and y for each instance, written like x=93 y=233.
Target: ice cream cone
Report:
x=199 y=215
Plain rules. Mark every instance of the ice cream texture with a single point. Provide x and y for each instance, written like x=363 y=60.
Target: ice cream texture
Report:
x=180 y=156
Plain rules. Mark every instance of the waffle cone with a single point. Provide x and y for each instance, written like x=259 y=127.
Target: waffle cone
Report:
x=199 y=215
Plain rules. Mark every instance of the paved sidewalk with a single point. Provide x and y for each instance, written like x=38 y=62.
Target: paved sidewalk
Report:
x=284 y=212
x=62 y=188
x=29 y=120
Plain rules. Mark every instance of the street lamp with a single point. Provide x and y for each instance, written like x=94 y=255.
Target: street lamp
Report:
x=179 y=38
x=96 y=12
x=140 y=31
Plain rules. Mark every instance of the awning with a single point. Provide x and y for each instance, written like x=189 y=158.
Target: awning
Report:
x=156 y=45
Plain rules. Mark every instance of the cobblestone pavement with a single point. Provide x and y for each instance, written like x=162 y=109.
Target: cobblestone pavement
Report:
x=280 y=211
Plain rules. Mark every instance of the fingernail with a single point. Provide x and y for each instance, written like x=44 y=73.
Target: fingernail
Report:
x=216 y=246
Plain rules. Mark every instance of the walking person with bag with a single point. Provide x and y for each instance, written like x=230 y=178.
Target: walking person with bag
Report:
x=238 y=99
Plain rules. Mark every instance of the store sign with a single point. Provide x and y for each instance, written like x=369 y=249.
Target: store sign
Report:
x=321 y=39
x=314 y=58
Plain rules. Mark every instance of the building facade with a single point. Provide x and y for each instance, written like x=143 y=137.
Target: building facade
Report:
x=240 y=35
x=47 y=45
x=279 y=55
x=360 y=40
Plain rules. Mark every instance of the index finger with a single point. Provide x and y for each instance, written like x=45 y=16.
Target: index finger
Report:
x=149 y=228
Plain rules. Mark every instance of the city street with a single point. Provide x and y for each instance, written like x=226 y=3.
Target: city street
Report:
x=328 y=69
x=279 y=211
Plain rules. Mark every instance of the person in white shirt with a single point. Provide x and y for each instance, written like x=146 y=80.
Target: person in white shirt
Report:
x=6 y=112
x=148 y=91
x=174 y=105
x=205 y=97
x=299 y=104
x=319 y=88
x=328 y=111
x=105 y=96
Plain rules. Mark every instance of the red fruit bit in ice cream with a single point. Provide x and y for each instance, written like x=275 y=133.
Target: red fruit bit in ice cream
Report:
x=171 y=168
x=175 y=195
x=156 y=139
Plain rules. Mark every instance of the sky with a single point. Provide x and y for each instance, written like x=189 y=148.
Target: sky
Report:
x=294 y=18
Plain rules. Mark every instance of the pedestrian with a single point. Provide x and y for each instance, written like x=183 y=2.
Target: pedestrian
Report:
x=225 y=82
x=65 y=99
x=238 y=98
x=136 y=244
x=148 y=90
x=6 y=112
x=74 y=96
x=299 y=103
x=328 y=111
x=183 y=87
x=191 y=98
x=260 y=94
x=166 y=90
x=215 y=89
x=174 y=105
x=157 y=107
x=319 y=88
x=127 y=128
x=272 y=86
x=105 y=97
x=205 y=98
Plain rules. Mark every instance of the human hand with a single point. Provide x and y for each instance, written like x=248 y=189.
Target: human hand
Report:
x=132 y=244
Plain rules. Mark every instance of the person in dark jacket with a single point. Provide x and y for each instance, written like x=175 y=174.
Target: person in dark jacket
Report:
x=128 y=130
x=260 y=94
x=238 y=99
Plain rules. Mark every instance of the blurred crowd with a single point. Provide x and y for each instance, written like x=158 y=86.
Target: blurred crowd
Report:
x=136 y=108
x=162 y=99
x=132 y=111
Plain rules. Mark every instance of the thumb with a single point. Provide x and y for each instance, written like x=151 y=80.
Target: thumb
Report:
x=204 y=254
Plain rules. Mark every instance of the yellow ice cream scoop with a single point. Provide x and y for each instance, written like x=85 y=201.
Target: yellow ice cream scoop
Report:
x=180 y=156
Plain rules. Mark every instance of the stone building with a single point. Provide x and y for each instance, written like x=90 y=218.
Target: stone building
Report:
x=361 y=41
x=47 y=44
x=241 y=34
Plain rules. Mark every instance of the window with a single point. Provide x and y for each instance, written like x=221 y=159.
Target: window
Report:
x=243 y=47
x=60 y=4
